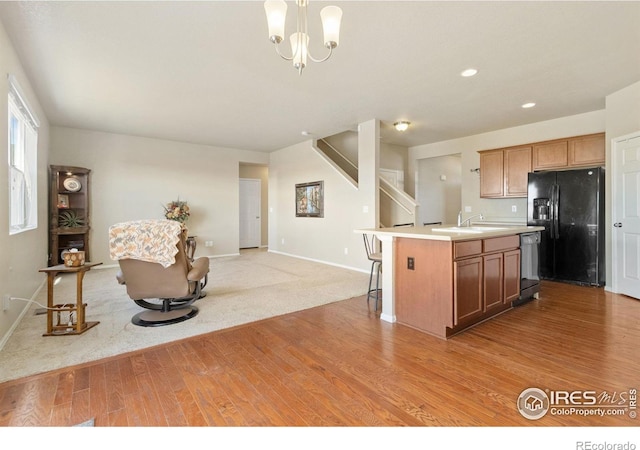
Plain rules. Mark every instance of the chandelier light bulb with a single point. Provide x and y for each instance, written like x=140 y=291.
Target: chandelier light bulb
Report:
x=276 y=11
x=331 y=17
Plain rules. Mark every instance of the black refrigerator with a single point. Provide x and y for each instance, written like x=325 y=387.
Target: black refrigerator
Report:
x=570 y=205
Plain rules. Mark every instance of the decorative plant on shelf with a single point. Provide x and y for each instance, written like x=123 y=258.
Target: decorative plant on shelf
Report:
x=70 y=219
x=177 y=210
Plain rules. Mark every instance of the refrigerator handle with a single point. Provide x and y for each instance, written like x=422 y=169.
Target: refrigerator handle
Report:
x=556 y=219
x=552 y=212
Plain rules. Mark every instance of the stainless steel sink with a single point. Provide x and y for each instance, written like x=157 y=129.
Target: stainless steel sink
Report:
x=471 y=230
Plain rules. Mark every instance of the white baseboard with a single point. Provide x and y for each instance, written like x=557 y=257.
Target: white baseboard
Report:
x=23 y=313
x=387 y=318
x=355 y=269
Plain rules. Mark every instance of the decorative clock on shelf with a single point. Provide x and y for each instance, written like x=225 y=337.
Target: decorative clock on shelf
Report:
x=72 y=184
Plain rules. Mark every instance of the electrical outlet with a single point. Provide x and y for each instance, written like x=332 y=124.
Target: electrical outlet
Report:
x=411 y=263
x=467 y=209
x=514 y=208
x=346 y=250
x=6 y=299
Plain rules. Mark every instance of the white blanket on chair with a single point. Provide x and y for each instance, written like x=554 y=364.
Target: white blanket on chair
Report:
x=147 y=240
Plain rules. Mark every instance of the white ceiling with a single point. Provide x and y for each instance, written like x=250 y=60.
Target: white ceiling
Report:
x=205 y=71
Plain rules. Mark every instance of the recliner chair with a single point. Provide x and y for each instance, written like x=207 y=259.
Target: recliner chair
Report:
x=158 y=274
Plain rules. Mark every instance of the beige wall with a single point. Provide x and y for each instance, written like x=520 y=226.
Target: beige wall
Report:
x=260 y=172
x=393 y=157
x=440 y=199
x=468 y=147
x=133 y=177
x=24 y=253
x=623 y=118
x=321 y=239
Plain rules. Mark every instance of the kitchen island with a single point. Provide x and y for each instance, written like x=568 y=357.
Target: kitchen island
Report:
x=444 y=279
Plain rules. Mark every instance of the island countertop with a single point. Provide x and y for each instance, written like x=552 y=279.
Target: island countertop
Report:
x=451 y=232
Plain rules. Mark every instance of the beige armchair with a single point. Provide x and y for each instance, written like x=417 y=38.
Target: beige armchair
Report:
x=156 y=270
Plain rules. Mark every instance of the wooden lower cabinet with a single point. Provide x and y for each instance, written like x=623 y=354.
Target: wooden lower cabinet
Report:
x=511 y=275
x=493 y=281
x=468 y=289
x=455 y=285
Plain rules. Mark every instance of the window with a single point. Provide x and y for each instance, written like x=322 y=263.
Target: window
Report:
x=22 y=159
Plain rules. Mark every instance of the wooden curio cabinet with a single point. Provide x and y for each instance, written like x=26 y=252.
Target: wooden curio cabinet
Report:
x=69 y=218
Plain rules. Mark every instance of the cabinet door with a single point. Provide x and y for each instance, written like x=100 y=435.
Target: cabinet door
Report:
x=468 y=289
x=517 y=165
x=587 y=150
x=511 y=275
x=493 y=282
x=492 y=174
x=550 y=155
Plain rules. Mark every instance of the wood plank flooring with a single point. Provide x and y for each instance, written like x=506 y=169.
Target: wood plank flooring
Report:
x=339 y=365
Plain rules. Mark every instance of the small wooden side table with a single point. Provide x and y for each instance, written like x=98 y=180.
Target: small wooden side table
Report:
x=78 y=326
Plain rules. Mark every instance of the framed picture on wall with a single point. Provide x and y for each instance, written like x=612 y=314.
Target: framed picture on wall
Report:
x=310 y=199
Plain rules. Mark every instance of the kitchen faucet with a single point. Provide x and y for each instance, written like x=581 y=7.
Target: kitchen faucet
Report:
x=467 y=221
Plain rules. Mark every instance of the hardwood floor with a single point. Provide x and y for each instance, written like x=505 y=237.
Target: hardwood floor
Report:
x=339 y=365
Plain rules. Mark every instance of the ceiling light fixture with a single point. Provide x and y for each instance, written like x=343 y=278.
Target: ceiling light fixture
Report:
x=529 y=105
x=402 y=125
x=469 y=72
x=276 y=11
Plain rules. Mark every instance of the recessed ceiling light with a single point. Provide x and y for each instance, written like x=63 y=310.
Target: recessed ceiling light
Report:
x=306 y=133
x=469 y=72
x=529 y=105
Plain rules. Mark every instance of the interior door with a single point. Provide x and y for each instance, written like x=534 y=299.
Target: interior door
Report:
x=626 y=215
x=250 y=221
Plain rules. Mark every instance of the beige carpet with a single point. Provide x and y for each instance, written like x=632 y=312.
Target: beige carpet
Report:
x=241 y=289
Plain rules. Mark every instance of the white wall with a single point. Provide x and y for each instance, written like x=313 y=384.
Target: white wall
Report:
x=24 y=253
x=134 y=177
x=623 y=118
x=468 y=147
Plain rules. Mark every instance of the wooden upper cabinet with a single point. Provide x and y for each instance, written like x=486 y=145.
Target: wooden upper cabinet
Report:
x=504 y=172
x=517 y=165
x=550 y=155
x=587 y=150
x=577 y=151
x=492 y=173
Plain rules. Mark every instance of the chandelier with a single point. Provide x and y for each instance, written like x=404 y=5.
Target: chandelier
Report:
x=276 y=11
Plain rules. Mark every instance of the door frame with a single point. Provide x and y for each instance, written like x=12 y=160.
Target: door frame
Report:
x=616 y=187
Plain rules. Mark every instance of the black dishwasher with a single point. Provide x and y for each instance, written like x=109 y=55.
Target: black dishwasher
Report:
x=529 y=267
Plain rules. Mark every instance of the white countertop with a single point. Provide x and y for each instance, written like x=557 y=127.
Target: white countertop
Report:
x=452 y=232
